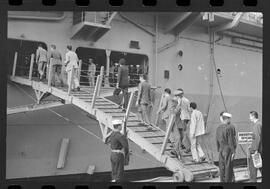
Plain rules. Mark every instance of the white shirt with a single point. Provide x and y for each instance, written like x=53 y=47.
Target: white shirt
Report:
x=71 y=60
x=197 y=127
x=184 y=105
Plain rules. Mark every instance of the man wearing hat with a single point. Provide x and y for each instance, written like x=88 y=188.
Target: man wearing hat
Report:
x=226 y=146
x=119 y=151
x=185 y=114
x=123 y=82
x=175 y=136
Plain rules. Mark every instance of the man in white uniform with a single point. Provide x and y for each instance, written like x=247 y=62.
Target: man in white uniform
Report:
x=72 y=62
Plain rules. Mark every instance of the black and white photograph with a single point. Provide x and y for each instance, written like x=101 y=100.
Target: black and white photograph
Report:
x=134 y=96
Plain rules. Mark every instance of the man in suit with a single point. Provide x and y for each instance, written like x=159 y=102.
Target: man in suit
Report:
x=123 y=82
x=226 y=146
x=144 y=100
x=185 y=113
x=175 y=136
x=256 y=145
x=72 y=63
x=41 y=60
x=167 y=106
x=55 y=59
x=91 y=72
x=197 y=129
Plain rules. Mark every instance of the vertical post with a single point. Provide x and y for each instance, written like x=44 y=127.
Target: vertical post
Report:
x=79 y=70
x=14 y=64
x=95 y=92
x=169 y=128
x=108 y=53
x=101 y=79
x=31 y=66
x=127 y=113
x=248 y=169
x=71 y=80
x=50 y=73
x=159 y=106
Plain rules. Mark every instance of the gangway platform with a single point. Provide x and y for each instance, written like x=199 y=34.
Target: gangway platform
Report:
x=153 y=141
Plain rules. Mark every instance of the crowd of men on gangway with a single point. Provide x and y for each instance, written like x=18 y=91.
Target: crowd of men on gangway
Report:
x=188 y=123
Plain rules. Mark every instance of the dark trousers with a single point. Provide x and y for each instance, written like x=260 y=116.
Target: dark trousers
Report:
x=226 y=166
x=117 y=162
x=124 y=100
x=252 y=171
x=184 y=133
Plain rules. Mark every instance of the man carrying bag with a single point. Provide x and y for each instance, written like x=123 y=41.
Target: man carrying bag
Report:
x=255 y=148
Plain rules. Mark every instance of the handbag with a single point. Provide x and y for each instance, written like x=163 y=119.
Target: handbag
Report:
x=257 y=160
x=116 y=92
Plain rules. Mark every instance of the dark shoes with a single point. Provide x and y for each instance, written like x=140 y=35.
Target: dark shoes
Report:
x=202 y=159
x=187 y=151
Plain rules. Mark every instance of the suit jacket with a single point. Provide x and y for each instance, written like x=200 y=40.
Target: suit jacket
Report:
x=184 y=105
x=71 y=60
x=122 y=77
x=176 y=109
x=225 y=138
x=197 y=123
x=256 y=144
x=41 y=55
x=56 y=57
x=144 y=93
x=168 y=105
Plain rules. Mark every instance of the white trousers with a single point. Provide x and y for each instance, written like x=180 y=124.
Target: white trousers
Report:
x=75 y=81
x=91 y=80
x=196 y=149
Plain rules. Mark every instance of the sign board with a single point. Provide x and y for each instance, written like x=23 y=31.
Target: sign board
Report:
x=245 y=137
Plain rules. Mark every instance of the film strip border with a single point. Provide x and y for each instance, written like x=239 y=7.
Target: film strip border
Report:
x=132 y=186
x=143 y=2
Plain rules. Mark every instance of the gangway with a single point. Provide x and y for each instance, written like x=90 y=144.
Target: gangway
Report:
x=153 y=141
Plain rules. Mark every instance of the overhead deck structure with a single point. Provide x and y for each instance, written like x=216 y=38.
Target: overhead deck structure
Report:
x=90 y=100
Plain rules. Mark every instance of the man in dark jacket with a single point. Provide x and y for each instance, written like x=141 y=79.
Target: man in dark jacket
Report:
x=226 y=145
x=256 y=145
x=144 y=100
x=54 y=58
x=123 y=82
x=120 y=151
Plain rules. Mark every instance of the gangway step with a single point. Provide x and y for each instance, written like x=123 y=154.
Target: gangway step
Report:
x=90 y=100
x=151 y=134
x=131 y=124
x=101 y=106
x=113 y=110
x=120 y=114
x=141 y=129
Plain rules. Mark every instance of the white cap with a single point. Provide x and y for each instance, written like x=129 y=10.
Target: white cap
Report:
x=117 y=122
x=177 y=92
x=226 y=114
